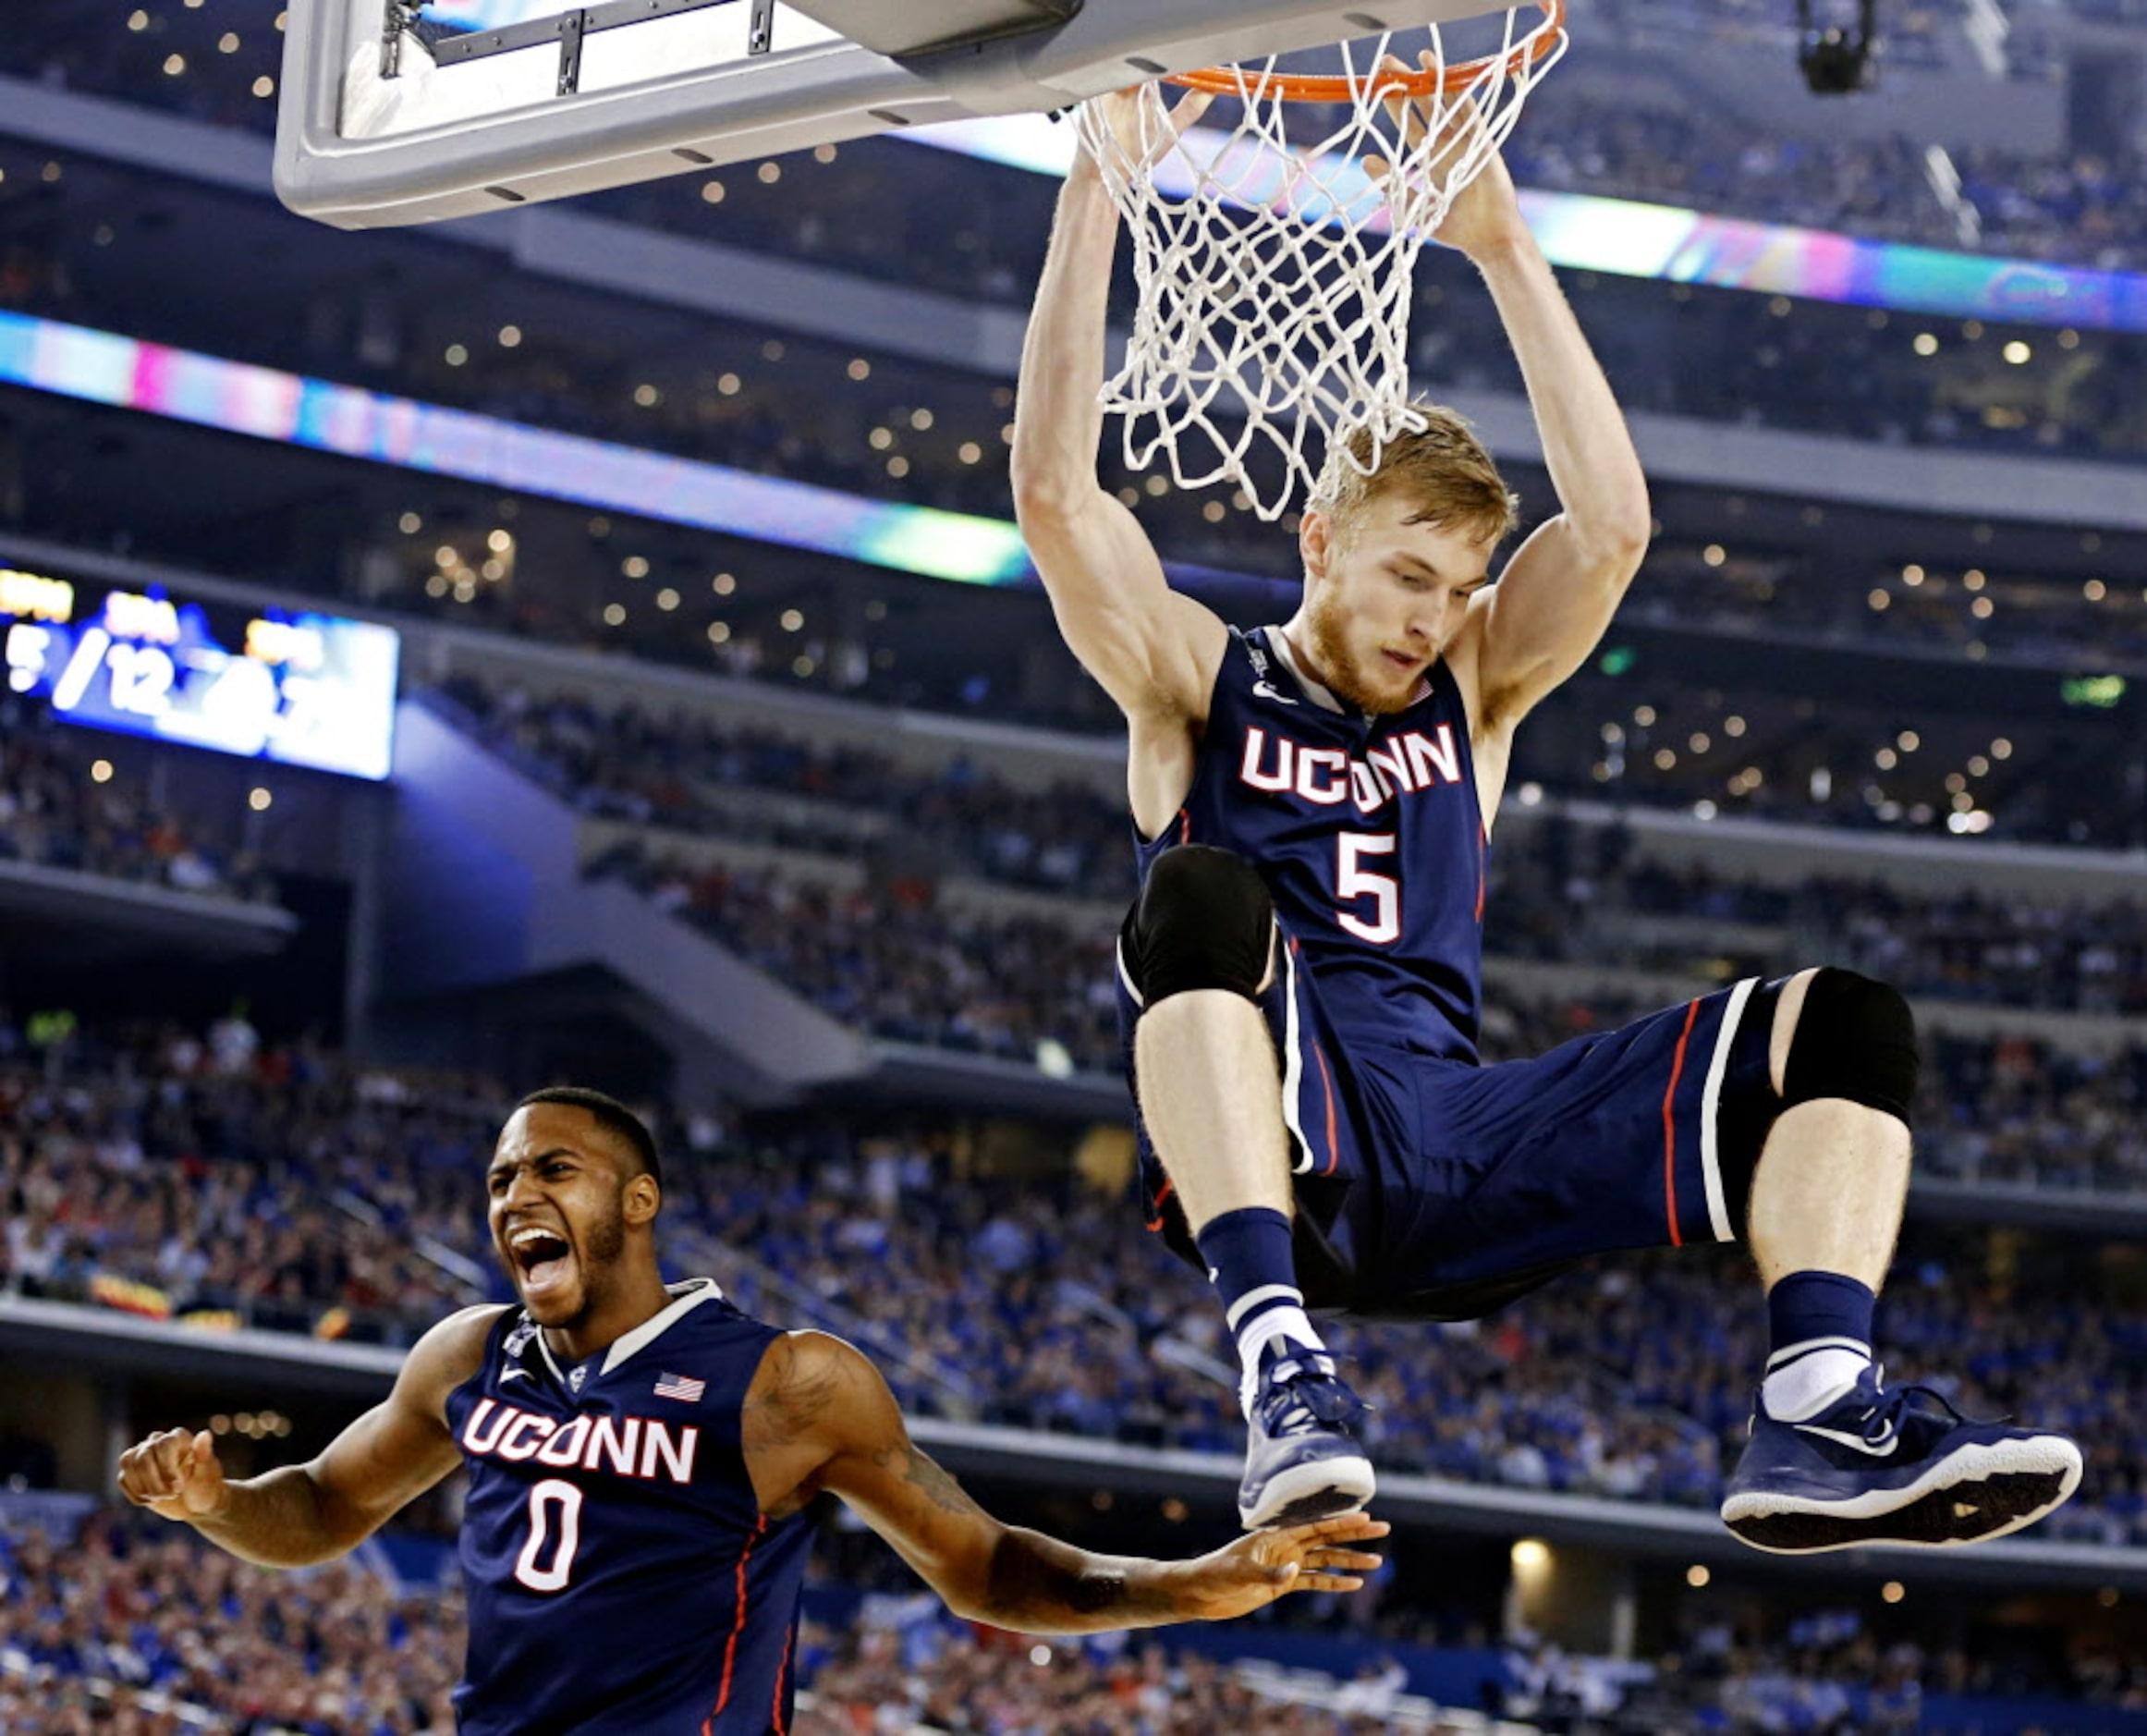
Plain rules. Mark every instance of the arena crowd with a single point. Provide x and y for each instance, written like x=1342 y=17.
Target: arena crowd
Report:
x=123 y=1626
x=219 y=1179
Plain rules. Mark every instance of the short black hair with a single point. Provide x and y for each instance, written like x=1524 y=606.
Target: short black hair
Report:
x=612 y=1115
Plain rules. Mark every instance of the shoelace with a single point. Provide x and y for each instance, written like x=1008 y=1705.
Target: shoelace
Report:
x=1303 y=1395
x=1883 y=1420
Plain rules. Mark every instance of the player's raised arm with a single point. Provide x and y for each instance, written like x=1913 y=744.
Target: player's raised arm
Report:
x=1558 y=591
x=819 y=1417
x=1153 y=650
x=300 y=1514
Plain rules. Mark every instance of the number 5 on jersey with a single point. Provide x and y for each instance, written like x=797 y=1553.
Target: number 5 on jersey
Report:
x=1354 y=882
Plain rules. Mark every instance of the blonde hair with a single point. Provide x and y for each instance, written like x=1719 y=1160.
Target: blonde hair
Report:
x=1441 y=466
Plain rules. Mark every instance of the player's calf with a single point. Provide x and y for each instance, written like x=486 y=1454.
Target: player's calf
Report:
x=1205 y=922
x=1854 y=1042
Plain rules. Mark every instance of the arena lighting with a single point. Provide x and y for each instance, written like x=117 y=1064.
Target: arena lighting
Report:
x=100 y=367
x=1630 y=239
x=104 y=368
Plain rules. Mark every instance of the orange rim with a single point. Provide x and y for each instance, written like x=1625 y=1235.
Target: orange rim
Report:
x=1336 y=87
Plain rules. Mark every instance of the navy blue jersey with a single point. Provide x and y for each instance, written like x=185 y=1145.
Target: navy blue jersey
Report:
x=1370 y=837
x=1367 y=833
x=1428 y=1186
x=622 y=1578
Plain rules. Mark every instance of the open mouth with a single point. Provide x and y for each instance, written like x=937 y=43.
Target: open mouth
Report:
x=544 y=1258
x=1399 y=661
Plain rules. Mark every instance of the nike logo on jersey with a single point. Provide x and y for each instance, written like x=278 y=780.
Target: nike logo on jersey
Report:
x=514 y=1373
x=1882 y=1448
x=1267 y=690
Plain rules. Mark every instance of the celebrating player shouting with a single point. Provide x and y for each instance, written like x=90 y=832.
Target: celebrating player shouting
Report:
x=640 y=1457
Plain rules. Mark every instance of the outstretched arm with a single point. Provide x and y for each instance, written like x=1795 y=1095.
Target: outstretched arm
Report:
x=1153 y=650
x=1558 y=591
x=300 y=1514
x=819 y=1417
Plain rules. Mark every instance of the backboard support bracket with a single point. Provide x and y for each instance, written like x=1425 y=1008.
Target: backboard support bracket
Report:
x=572 y=29
x=399 y=19
x=569 y=30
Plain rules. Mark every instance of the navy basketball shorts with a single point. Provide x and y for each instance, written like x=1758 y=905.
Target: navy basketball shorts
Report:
x=1431 y=1188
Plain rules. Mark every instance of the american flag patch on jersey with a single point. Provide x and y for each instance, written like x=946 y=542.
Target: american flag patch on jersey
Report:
x=681 y=1386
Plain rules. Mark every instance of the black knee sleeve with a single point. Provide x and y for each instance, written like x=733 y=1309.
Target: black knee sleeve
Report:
x=1856 y=1040
x=1203 y=920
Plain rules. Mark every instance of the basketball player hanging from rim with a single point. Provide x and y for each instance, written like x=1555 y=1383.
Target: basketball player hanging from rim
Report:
x=1299 y=974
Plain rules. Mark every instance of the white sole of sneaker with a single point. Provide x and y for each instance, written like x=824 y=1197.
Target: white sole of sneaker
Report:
x=1319 y=1490
x=2014 y=1482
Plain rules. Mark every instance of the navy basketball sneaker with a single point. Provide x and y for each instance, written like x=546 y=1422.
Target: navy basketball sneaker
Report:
x=1875 y=1467
x=1302 y=1462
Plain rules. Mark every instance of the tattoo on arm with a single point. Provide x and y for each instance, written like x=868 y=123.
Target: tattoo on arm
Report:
x=1032 y=1580
x=926 y=1475
x=1036 y=1576
x=796 y=1407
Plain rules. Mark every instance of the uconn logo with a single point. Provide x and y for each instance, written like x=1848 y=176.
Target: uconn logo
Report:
x=635 y=1447
x=1327 y=776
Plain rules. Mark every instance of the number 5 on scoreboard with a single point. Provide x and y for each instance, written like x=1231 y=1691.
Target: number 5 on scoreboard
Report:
x=1353 y=882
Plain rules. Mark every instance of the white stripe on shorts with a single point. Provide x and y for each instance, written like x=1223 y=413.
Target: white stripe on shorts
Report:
x=1711 y=1100
x=1126 y=976
x=1293 y=1061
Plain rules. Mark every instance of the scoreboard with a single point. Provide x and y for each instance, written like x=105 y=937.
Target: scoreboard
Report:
x=295 y=687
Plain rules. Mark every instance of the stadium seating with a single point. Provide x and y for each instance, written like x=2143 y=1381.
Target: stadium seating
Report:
x=169 y=1168
x=106 y=1638
x=63 y=806
x=683 y=773
x=275 y=1187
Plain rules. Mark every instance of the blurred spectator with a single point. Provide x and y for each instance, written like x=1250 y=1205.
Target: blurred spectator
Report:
x=160 y=1627
x=55 y=813
x=307 y=1197
x=126 y=1630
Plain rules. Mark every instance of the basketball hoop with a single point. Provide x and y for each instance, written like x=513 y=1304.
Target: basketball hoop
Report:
x=1275 y=271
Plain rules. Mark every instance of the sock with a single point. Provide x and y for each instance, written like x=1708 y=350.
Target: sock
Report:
x=1250 y=1264
x=1821 y=1324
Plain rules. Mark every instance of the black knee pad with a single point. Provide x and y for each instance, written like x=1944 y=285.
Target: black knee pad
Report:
x=1856 y=1040
x=1203 y=920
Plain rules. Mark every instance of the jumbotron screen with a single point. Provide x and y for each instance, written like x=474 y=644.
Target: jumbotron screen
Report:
x=295 y=687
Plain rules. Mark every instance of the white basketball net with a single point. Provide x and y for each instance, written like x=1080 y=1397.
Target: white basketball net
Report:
x=1276 y=275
